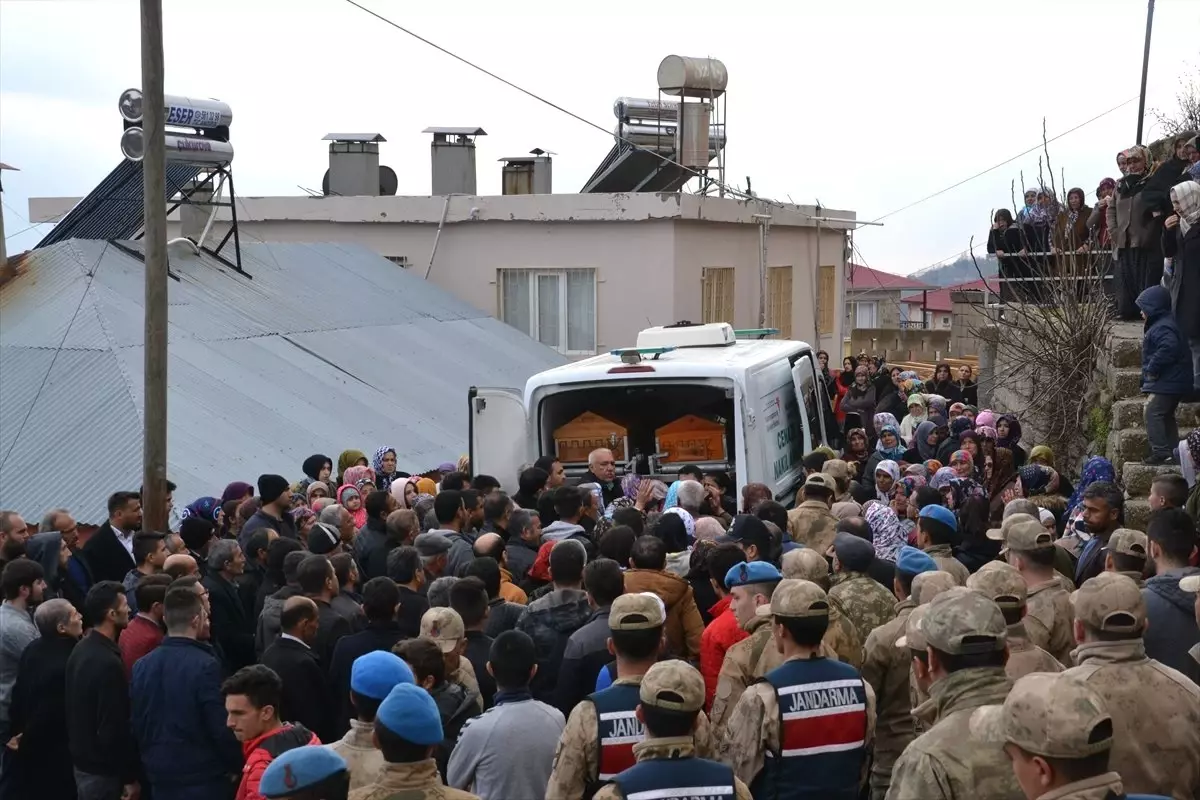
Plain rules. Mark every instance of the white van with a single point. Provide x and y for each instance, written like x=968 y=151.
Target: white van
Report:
x=764 y=391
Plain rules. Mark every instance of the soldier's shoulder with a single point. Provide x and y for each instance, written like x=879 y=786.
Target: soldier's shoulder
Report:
x=1174 y=676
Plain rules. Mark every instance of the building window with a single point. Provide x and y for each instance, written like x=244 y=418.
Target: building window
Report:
x=826 y=292
x=946 y=322
x=779 y=300
x=399 y=261
x=717 y=286
x=865 y=315
x=555 y=306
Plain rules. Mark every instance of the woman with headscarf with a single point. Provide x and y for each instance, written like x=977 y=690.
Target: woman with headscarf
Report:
x=975 y=548
x=1189 y=461
x=303 y=518
x=942 y=383
x=887 y=535
x=985 y=417
x=316 y=468
x=857 y=453
x=962 y=464
x=925 y=441
x=958 y=428
x=315 y=491
x=405 y=491
x=1097 y=221
x=937 y=406
x=237 y=491
x=1135 y=233
x=1008 y=435
x=1004 y=239
x=348 y=459
x=1071 y=230
x=1004 y=485
x=384 y=465
x=860 y=398
x=887 y=480
x=209 y=508
x=986 y=456
x=842 y=383
x=915 y=416
x=1181 y=241
x=357 y=476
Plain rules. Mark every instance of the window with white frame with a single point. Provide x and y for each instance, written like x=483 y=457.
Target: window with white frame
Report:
x=865 y=314
x=555 y=306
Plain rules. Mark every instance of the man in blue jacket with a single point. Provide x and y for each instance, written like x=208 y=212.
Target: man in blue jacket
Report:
x=1166 y=373
x=178 y=713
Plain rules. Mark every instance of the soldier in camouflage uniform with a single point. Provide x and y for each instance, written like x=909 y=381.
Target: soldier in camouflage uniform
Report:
x=866 y=602
x=965 y=637
x=408 y=720
x=1030 y=548
x=925 y=587
x=1155 y=709
x=1127 y=551
x=937 y=528
x=812 y=755
x=1058 y=733
x=887 y=669
x=577 y=759
x=811 y=523
x=666 y=763
x=1007 y=589
x=445 y=628
x=842 y=638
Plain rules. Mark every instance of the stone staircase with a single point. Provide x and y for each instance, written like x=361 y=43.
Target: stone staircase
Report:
x=1127 y=445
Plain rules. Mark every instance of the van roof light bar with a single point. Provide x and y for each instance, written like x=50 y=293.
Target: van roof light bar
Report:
x=755 y=333
x=633 y=355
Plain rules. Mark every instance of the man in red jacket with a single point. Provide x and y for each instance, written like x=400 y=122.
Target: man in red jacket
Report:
x=723 y=632
x=252 y=696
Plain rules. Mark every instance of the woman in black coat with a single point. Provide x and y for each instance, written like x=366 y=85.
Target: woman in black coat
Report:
x=1181 y=242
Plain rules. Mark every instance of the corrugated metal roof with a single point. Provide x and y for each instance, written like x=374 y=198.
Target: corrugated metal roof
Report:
x=114 y=209
x=328 y=347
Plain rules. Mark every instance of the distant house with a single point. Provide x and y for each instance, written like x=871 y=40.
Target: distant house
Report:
x=874 y=299
x=935 y=309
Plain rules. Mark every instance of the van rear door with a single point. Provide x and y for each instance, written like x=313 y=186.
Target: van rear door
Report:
x=497 y=433
x=805 y=382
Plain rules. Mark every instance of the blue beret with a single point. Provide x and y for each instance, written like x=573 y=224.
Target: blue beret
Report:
x=375 y=674
x=752 y=572
x=298 y=769
x=941 y=514
x=912 y=561
x=410 y=713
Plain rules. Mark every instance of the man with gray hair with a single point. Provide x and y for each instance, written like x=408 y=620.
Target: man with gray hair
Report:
x=602 y=469
x=340 y=519
x=232 y=629
x=402 y=527
x=439 y=591
x=690 y=495
x=60 y=520
x=524 y=540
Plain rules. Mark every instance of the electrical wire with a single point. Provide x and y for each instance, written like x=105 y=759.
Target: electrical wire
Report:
x=24 y=230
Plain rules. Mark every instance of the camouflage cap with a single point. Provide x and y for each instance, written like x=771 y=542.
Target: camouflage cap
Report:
x=836 y=468
x=797 y=598
x=929 y=585
x=1129 y=542
x=914 y=637
x=1023 y=535
x=1190 y=583
x=1053 y=715
x=961 y=621
x=673 y=685
x=636 y=611
x=1110 y=602
x=820 y=480
x=806 y=564
x=444 y=626
x=1002 y=583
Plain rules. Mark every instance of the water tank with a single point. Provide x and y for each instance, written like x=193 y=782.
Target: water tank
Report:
x=627 y=108
x=662 y=137
x=684 y=76
x=691 y=137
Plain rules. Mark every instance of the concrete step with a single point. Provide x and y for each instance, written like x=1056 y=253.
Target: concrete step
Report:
x=1137 y=477
x=1124 y=352
x=1131 y=445
x=1131 y=413
x=1125 y=383
x=1137 y=514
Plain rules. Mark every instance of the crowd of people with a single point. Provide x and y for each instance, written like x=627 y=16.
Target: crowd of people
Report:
x=900 y=629
x=1145 y=222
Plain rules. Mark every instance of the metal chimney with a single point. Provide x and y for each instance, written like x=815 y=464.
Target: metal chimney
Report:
x=353 y=164
x=529 y=174
x=453 y=155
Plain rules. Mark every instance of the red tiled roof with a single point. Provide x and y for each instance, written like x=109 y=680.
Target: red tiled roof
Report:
x=940 y=300
x=865 y=279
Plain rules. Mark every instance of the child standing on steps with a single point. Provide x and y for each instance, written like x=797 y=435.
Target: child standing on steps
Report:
x=1166 y=373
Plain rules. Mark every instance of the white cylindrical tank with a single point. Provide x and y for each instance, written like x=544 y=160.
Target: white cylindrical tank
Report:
x=187 y=112
x=180 y=149
x=662 y=137
x=691 y=136
x=630 y=108
x=685 y=76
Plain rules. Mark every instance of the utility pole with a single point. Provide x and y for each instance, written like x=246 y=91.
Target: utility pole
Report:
x=764 y=229
x=154 y=431
x=1145 y=70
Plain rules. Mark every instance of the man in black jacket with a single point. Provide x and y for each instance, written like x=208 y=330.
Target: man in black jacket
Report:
x=307 y=698
x=469 y=599
x=524 y=541
x=502 y=615
x=99 y=734
x=109 y=551
x=319 y=583
x=404 y=567
x=602 y=469
x=231 y=628
x=380 y=602
x=252 y=579
x=372 y=546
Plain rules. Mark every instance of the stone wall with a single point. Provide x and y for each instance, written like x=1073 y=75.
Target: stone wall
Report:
x=912 y=344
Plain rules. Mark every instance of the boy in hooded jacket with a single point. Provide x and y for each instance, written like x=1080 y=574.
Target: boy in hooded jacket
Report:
x=1166 y=373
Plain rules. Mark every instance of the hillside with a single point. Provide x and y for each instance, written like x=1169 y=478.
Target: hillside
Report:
x=955 y=272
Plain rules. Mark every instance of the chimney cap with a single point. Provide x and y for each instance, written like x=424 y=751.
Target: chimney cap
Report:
x=353 y=137
x=468 y=131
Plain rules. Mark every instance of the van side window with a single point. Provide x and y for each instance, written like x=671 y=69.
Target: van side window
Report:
x=808 y=393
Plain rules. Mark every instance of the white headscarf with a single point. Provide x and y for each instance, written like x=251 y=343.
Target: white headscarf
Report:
x=1187 y=195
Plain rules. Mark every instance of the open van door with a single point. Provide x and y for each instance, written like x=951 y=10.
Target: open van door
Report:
x=496 y=430
x=804 y=381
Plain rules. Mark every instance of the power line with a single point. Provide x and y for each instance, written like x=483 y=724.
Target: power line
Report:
x=1007 y=160
x=23 y=230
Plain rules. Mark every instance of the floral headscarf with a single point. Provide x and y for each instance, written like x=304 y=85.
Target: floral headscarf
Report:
x=887 y=535
x=208 y=508
x=356 y=475
x=1097 y=468
x=963 y=489
x=672 y=500
x=301 y=513
x=892 y=453
x=956 y=409
x=986 y=432
x=1189 y=457
x=360 y=516
x=1037 y=479
x=932 y=466
x=893 y=469
x=383 y=480
x=1014 y=432
x=689 y=524
x=883 y=419
x=941 y=479
x=1107 y=183
x=913 y=482
x=1187 y=195
x=936 y=404
x=917 y=471
x=1073 y=213
x=961 y=458
x=1044 y=214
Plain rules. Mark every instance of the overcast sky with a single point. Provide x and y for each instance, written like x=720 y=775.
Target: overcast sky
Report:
x=863 y=104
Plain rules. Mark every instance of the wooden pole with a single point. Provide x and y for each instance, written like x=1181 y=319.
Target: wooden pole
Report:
x=154 y=432
x=1145 y=71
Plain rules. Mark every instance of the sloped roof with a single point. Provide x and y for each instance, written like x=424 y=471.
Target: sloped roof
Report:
x=329 y=347
x=861 y=278
x=940 y=300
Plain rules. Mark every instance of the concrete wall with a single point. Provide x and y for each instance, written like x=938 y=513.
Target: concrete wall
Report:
x=969 y=316
x=912 y=344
